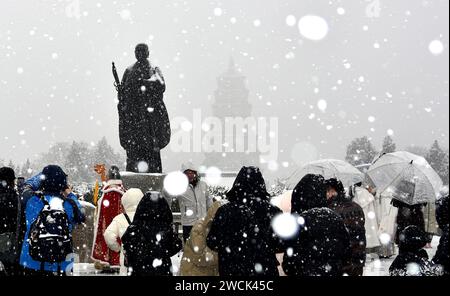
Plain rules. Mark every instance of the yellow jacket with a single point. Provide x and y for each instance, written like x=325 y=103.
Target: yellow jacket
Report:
x=198 y=259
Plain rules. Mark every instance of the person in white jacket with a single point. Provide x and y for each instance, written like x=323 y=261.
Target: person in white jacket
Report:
x=366 y=201
x=117 y=228
x=195 y=202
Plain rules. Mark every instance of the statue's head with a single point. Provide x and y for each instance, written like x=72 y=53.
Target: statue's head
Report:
x=141 y=52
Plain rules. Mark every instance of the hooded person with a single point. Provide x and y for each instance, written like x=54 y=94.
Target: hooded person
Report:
x=150 y=241
x=251 y=187
x=354 y=220
x=321 y=246
x=195 y=201
x=55 y=196
x=9 y=221
x=442 y=256
x=412 y=259
x=119 y=225
x=198 y=259
x=109 y=206
x=232 y=234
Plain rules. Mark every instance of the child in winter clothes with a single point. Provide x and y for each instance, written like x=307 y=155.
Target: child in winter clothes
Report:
x=113 y=234
x=150 y=241
x=412 y=258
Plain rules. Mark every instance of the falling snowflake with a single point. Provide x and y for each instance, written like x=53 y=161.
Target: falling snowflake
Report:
x=125 y=15
x=436 y=47
x=313 y=27
x=290 y=252
x=257 y=23
x=322 y=105
x=142 y=167
x=291 y=20
x=186 y=126
x=176 y=183
x=218 y=11
x=341 y=11
x=385 y=238
x=157 y=263
x=285 y=225
x=213 y=175
x=258 y=268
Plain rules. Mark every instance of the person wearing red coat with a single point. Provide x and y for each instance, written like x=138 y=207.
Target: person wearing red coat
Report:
x=108 y=207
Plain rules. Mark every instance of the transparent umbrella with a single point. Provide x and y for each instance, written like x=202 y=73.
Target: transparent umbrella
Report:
x=328 y=168
x=406 y=177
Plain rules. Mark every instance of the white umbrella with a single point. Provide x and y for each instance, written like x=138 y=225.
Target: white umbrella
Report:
x=406 y=177
x=328 y=168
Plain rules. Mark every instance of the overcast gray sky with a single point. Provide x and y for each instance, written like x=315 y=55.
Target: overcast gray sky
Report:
x=375 y=72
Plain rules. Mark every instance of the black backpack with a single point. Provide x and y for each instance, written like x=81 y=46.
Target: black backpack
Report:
x=50 y=238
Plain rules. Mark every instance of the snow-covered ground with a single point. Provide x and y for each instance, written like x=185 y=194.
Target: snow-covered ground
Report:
x=374 y=266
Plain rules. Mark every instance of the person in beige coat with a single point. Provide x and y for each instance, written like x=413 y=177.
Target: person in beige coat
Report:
x=198 y=259
x=117 y=228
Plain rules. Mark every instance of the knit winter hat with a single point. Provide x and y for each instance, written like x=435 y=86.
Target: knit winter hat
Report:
x=54 y=179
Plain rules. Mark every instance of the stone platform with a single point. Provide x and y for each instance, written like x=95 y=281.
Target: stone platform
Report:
x=145 y=182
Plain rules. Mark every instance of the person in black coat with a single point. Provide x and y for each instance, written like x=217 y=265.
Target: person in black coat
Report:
x=150 y=240
x=240 y=231
x=412 y=258
x=408 y=215
x=322 y=246
x=442 y=256
x=354 y=220
x=9 y=221
x=250 y=189
x=144 y=127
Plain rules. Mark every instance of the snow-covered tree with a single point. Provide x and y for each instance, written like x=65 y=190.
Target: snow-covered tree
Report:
x=57 y=154
x=360 y=151
x=417 y=150
x=27 y=169
x=104 y=154
x=439 y=161
x=77 y=162
x=388 y=145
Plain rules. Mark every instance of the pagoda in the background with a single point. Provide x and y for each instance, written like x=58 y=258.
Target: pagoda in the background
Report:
x=231 y=100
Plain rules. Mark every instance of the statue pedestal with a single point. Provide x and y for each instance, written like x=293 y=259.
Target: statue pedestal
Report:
x=145 y=182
